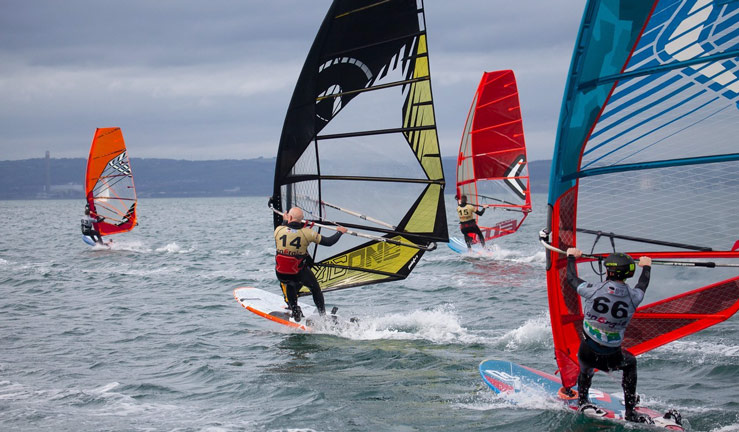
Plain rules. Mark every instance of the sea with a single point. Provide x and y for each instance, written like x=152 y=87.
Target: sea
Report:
x=147 y=336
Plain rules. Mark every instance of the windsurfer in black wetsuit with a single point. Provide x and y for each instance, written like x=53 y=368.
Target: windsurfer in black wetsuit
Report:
x=467 y=222
x=293 y=264
x=607 y=309
x=89 y=225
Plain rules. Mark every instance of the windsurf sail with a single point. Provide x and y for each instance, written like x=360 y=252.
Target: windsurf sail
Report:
x=491 y=165
x=646 y=163
x=359 y=145
x=109 y=188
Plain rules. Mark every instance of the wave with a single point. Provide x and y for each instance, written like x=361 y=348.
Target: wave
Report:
x=440 y=325
x=534 y=333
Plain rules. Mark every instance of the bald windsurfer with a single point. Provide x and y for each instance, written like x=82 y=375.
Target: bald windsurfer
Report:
x=467 y=223
x=607 y=309
x=293 y=264
x=89 y=225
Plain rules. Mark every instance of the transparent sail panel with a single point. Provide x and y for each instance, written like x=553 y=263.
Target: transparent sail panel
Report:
x=695 y=205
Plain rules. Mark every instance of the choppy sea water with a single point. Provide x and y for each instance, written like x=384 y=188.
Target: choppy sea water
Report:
x=147 y=335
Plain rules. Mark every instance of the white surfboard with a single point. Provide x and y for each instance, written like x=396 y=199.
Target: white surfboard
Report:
x=91 y=242
x=272 y=307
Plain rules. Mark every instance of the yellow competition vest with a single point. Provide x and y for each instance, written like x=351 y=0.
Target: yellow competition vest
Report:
x=466 y=213
x=294 y=242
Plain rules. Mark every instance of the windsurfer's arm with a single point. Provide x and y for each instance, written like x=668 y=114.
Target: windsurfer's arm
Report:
x=480 y=212
x=572 y=279
x=331 y=240
x=646 y=268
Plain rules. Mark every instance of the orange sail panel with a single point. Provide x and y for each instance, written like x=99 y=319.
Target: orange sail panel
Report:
x=491 y=165
x=109 y=187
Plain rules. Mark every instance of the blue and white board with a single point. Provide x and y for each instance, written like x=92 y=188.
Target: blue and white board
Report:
x=505 y=377
x=458 y=245
x=91 y=242
x=272 y=307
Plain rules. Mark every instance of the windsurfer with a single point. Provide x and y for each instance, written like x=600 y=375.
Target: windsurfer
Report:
x=608 y=307
x=467 y=222
x=293 y=264
x=89 y=225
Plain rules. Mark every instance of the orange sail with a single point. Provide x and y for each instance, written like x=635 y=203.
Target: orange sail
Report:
x=109 y=187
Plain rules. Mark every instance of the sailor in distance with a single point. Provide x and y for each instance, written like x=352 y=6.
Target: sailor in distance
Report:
x=89 y=225
x=292 y=262
x=607 y=310
x=467 y=223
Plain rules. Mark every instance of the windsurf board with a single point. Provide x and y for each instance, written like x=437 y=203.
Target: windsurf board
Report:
x=505 y=377
x=458 y=245
x=273 y=307
x=91 y=242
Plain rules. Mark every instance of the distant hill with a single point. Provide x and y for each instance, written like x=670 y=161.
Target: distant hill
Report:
x=27 y=179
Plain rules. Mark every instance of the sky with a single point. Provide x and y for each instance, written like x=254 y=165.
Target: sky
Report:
x=203 y=80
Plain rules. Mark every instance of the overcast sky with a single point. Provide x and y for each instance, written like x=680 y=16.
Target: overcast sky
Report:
x=212 y=79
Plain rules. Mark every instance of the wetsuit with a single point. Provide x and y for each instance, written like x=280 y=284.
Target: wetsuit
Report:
x=87 y=224
x=468 y=225
x=293 y=263
x=607 y=308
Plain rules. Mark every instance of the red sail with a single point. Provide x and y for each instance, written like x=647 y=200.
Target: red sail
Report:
x=491 y=165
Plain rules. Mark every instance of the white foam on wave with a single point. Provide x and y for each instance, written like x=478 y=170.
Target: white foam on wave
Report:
x=439 y=325
x=173 y=248
x=125 y=245
x=533 y=398
x=114 y=403
x=499 y=253
x=3 y=262
x=534 y=333
x=699 y=352
x=728 y=428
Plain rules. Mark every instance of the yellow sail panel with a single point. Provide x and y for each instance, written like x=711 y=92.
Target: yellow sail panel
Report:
x=373 y=262
x=424 y=216
x=425 y=143
x=422 y=47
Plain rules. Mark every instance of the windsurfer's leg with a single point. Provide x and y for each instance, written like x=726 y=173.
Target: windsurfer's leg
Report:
x=309 y=279
x=289 y=291
x=480 y=236
x=628 y=382
x=467 y=237
x=583 y=386
x=586 y=357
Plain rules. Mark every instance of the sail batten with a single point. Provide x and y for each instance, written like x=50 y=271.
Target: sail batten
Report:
x=360 y=131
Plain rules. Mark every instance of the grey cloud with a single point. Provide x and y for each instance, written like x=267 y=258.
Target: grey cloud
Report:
x=197 y=80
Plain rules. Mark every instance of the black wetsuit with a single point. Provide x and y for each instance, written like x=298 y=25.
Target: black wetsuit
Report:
x=89 y=230
x=291 y=283
x=620 y=301
x=470 y=227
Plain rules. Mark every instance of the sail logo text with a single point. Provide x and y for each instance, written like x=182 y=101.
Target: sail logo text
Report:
x=501 y=228
x=369 y=257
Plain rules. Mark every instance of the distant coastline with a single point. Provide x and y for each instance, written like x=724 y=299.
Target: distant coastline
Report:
x=62 y=178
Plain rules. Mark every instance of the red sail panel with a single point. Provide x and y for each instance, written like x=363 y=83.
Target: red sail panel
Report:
x=667 y=320
x=109 y=187
x=565 y=310
x=491 y=165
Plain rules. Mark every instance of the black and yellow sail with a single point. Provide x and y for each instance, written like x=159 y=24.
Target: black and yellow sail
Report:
x=359 y=145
